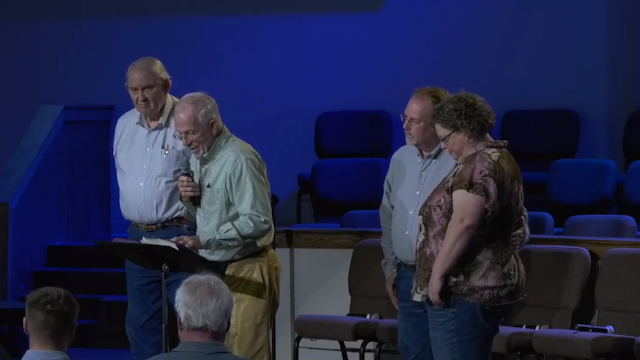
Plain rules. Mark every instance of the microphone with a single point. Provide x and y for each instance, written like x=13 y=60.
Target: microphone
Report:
x=186 y=171
x=367 y=316
x=536 y=327
x=598 y=329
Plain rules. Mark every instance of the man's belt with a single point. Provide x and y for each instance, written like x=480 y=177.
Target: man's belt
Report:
x=408 y=267
x=179 y=221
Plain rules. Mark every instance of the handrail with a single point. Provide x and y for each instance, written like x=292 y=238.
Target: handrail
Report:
x=17 y=173
x=34 y=206
x=30 y=151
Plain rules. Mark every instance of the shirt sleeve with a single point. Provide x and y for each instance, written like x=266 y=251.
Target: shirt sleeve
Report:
x=249 y=192
x=390 y=261
x=477 y=178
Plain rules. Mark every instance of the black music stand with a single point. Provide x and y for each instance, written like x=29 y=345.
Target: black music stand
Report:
x=164 y=259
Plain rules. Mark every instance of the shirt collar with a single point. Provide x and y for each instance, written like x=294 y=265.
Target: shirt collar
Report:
x=218 y=144
x=432 y=155
x=207 y=347
x=45 y=354
x=167 y=112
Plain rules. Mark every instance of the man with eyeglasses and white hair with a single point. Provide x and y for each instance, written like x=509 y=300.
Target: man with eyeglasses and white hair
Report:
x=148 y=163
x=230 y=194
x=204 y=305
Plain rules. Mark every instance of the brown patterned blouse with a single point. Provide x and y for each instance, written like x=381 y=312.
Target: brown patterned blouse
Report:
x=490 y=272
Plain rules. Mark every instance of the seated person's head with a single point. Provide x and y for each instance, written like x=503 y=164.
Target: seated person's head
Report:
x=203 y=304
x=462 y=121
x=51 y=318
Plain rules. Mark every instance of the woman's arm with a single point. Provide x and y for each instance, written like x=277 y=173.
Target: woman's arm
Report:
x=468 y=211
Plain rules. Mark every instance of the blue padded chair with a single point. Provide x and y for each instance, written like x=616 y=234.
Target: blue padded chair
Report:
x=361 y=219
x=581 y=187
x=343 y=185
x=535 y=148
x=629 y=203
x=541 y=223
x=355 y=135
x=605 y=226
x=630 y=143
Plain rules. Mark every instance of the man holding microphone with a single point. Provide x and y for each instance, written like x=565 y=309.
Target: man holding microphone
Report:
x=229 y=193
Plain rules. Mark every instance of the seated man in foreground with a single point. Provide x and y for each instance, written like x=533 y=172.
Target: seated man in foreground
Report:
x=203 y=305
x=50 y=323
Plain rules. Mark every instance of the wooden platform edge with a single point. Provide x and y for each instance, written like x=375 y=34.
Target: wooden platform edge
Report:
x=348 y=238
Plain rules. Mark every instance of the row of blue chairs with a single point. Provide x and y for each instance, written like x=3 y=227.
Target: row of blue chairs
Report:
x=572 y=187
x=354 y=148
x=608 y=226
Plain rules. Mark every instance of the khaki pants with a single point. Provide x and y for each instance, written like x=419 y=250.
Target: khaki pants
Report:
x=255 y=283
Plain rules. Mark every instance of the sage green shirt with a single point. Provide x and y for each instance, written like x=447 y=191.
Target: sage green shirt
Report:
x=234 y=217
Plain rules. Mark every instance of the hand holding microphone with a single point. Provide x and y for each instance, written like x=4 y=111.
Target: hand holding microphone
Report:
x=189 y=189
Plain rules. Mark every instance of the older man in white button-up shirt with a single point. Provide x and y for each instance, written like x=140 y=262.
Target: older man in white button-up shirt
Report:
x=148 y=162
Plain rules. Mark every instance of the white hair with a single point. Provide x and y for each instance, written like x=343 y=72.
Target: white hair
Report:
x=153 y=65
x=204 y=106
x=204 y=303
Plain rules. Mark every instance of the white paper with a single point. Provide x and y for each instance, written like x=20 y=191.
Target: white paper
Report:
x=160 y=242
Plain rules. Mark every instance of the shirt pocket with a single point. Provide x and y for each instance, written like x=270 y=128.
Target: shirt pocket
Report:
x=169 y=162
x=215 y=201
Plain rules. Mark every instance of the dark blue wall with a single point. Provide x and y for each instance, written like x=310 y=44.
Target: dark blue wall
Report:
x=272 y=74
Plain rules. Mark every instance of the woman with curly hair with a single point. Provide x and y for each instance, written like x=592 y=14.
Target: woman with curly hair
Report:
x=472 y=226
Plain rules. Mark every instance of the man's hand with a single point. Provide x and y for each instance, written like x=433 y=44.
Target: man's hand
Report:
x=188 y=188
x=192 y=242
x=391 y=291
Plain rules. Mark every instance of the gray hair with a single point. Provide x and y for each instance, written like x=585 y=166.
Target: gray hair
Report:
x=153 y=65
x=203 y=105
x=204 y=303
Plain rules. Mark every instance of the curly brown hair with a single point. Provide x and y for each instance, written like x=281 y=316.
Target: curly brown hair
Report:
x=465 y=112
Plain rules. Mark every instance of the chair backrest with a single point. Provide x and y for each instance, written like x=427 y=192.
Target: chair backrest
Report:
x=630 y=144
x=606 y=226
x=342 y=185
x=581 y=186
x=541 y=223
x=618 y=292
x=367 y=281
x=524 y=130
x=630 y=202
x=556 y=279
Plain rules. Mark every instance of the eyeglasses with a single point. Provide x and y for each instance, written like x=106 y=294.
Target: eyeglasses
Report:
x=445 y=140
x=411 y=121
x=187 y=136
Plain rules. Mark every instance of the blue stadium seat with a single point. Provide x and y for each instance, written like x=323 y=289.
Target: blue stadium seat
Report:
x=535 y=148
x=355 y=135
x=541 y=223
x=630 y=143
x=629 y=203
x=605 y=226
x=581 y=187
x=362 y=219
x=343 y=185
x=317 y=226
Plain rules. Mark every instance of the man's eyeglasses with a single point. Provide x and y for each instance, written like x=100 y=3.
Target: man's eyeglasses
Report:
x=186 y=136
x=411 y=121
